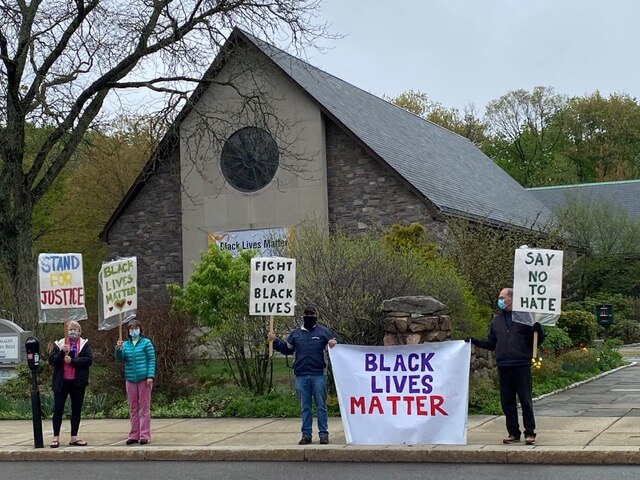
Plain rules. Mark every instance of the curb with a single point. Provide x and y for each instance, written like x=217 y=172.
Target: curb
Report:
x=387 y=454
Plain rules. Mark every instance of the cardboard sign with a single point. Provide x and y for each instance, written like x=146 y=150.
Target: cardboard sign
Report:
x=61 y=281
x=273 y=286
x=537 y=284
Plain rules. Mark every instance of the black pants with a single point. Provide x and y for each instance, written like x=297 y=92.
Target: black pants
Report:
x=59 y=399
x=517 y=381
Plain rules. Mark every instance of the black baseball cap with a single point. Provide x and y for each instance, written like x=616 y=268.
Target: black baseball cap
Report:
x=310 y=309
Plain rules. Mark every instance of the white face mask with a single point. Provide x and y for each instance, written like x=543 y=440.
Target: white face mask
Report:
x=135 y=333
x=73 y=334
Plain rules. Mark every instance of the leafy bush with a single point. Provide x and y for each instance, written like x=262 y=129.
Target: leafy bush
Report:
x=628 y=331
x=579 y=361
x=607 y=356
x=580 y=325
x=550 y=368
x=483 y=396
x=349 y=278
x=556 y=340
x=623 y=306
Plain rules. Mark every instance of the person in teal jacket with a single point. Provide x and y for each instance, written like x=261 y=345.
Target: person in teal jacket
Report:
x=139 y=357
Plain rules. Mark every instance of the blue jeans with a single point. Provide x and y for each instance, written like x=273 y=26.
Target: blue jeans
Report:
x=308 y=387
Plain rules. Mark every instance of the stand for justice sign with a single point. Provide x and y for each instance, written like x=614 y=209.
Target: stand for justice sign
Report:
x=273 y=286
x=537 y=281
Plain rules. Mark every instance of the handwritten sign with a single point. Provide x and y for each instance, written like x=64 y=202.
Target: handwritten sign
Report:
x=407 y=394
x=272 y=286
x=537 y=280
x=61 y=281
x=118 y=281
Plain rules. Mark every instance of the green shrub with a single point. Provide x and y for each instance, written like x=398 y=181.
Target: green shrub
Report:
x=556 y=341
x=484 y=396
x=607 y=356
x=550 y=368
x=579 y=361
x=580 y=325
x=628 y=331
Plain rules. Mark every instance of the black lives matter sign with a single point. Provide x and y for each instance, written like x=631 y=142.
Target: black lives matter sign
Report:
x=272 y=286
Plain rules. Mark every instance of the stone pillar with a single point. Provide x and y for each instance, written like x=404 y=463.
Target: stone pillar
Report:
x=415 y=319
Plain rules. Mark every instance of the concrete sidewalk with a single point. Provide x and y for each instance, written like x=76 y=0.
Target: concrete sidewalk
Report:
x=562 y=440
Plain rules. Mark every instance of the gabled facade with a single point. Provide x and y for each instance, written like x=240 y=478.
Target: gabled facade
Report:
x=268 y=141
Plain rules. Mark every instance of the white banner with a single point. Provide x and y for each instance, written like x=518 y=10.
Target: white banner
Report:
x=270 y=241
x=537 y=285
x=273 y=286
x=61 y=281
x=119 y=285
x=406 y=394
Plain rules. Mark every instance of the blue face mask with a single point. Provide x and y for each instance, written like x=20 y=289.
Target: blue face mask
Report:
x=134 y=333
x=502 y=304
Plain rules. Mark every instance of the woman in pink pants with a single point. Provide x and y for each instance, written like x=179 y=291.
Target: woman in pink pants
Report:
x=139 y=359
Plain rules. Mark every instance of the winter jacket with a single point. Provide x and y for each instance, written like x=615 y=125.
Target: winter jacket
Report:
x=513 y=345
x=81 y=362
x=309 y=348
x=139 y=359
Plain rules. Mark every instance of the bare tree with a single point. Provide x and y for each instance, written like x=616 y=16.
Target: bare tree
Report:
x=63 y=62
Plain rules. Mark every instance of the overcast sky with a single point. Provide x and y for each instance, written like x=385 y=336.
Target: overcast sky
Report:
x=473 y=51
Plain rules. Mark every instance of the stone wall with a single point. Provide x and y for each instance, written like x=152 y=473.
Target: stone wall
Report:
x=150 y=228
x=362 y=192
x=418 y=319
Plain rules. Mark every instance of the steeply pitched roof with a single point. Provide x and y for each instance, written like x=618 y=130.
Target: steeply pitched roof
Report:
x=625 y=194
x=449 y=170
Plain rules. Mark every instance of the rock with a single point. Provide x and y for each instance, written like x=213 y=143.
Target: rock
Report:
x=423 y=305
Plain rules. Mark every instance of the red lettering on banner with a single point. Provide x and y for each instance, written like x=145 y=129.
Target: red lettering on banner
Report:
x=423 y=405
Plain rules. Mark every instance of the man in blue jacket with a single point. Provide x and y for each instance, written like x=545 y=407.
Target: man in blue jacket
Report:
x=309 y=343
x=512 y=343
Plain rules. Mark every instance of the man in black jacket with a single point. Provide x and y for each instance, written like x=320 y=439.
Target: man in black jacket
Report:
x=512 y=343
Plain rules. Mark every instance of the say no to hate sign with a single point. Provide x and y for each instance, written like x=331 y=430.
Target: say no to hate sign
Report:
x=537 y=280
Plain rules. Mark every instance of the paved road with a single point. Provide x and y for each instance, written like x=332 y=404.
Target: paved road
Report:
x=71 y=470
x=615 y=394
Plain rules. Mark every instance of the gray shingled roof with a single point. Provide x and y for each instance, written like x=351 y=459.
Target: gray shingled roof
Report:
x=446 y=168
x=625 y=194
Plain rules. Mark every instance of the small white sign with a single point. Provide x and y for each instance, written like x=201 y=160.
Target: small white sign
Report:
x=119 y=283
x=537 y=281
x=9 y=348
x=272 y=286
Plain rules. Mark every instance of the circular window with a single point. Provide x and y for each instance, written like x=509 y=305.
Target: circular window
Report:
x=249 y=159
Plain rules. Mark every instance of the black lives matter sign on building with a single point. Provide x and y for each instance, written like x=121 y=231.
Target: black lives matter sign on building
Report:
x=273 y=286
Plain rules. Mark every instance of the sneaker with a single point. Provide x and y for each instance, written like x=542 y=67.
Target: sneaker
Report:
x=131 y=441
x=530 y=439
x=143 y=441
x=305 y=440
x=511 y=439
x=324 y=439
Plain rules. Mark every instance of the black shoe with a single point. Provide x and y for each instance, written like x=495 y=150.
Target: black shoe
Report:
x=131 y=441
x=324 y=439
x=143 y=441
x=305 y=440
